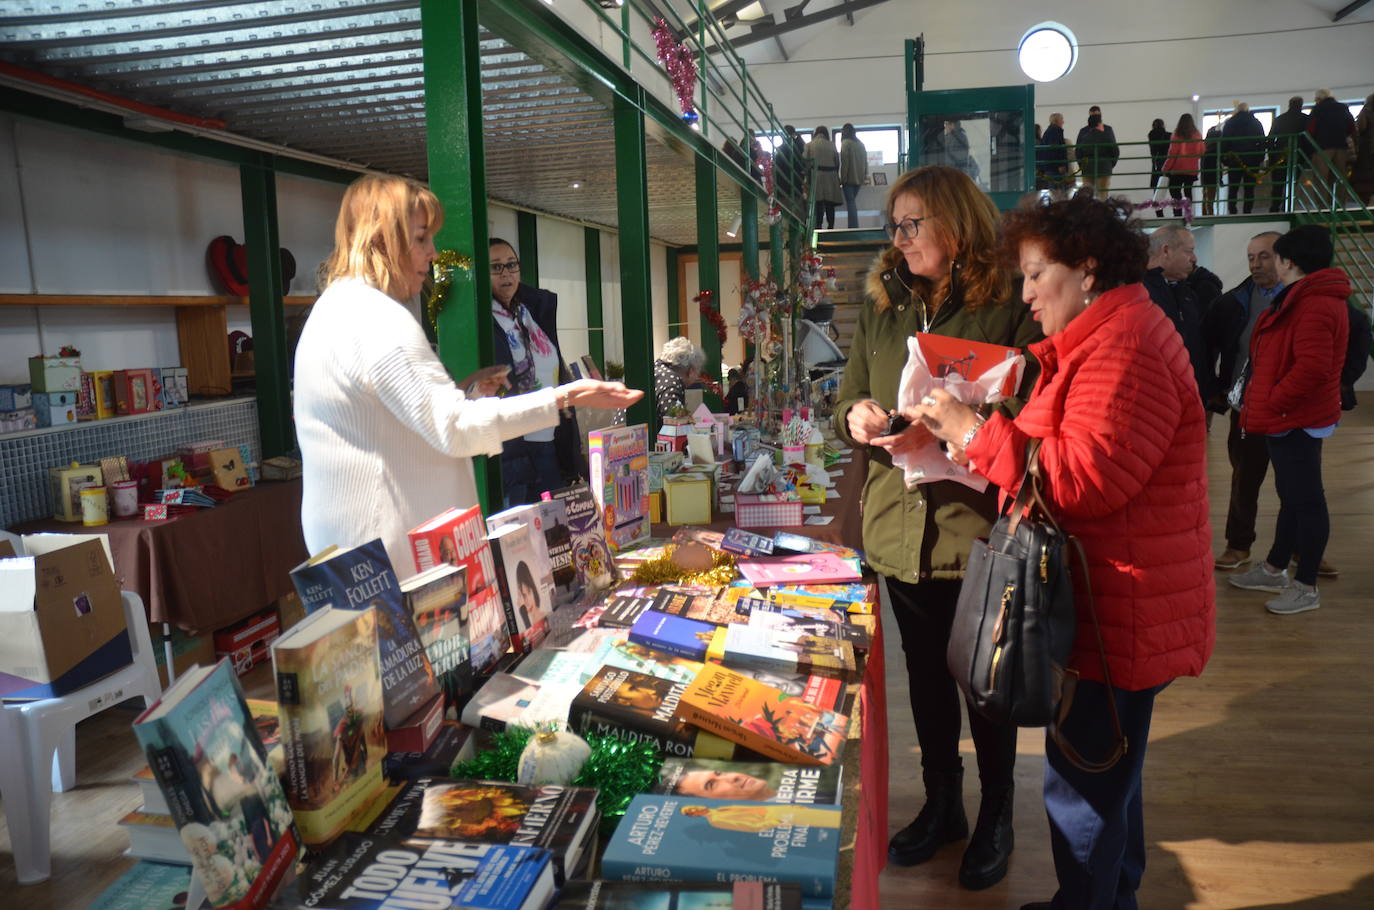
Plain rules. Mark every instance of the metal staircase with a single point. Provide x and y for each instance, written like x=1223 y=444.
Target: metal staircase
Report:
x=851 y=254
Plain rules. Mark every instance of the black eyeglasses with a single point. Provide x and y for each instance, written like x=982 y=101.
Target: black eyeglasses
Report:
x=509 y=267
x=907 y=227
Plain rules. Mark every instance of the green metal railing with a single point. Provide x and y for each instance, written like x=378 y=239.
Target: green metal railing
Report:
x=1333 y=202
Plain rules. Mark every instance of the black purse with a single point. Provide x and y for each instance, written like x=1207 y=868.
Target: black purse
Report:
x=1015 y=621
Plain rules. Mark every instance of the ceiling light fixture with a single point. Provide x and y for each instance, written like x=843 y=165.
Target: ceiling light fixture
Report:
x=734 y=227
x=577 y=184
x=1047 y=52
x=607 y=4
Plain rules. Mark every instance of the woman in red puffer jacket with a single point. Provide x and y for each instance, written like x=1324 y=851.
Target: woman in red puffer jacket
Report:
x=1123 y=456
x=1293 y=398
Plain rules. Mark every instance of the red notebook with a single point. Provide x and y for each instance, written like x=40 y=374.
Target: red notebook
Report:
x=804 y=568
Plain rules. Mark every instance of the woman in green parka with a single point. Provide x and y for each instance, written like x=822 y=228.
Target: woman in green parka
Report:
x=941 y=275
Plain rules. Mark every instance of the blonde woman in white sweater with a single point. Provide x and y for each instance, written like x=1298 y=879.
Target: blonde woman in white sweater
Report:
x=386 y=436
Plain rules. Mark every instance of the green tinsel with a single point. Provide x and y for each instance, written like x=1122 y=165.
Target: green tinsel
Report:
x=619 y=770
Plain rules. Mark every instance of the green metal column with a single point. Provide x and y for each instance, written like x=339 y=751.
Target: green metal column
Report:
x=258 y=186
x=596 y=331
x=636 y=286
x=676 y=326
x=708 y=260
x=457 y=175
x=749 y=227
x=527 y=231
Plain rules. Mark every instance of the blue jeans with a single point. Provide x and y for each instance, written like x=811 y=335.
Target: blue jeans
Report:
x=1097 y=828
x=851 y=204
x=527 y=470
x=1304 y=524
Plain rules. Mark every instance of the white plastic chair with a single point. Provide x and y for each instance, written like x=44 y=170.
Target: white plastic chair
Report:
x=38 y=745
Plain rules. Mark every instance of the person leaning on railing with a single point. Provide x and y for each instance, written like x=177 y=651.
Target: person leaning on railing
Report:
x=1287 y=126
x=1243 y=155
x=1210 y=171
x=1182 y=162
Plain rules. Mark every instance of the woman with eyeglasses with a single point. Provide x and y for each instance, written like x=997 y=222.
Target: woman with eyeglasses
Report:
x=524 y=322
x=940 y=275
x=385 y=434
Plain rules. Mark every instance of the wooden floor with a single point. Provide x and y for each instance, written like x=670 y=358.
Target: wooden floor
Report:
x=1259 y=782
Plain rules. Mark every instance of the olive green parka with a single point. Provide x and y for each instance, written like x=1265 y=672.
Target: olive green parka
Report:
x=926 y=532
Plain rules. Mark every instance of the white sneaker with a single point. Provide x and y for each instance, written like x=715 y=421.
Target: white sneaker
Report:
x=1296 y=598
x=1261 y=578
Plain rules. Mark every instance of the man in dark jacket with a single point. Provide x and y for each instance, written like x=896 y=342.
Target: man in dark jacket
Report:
x=1333 y=132
x=1226 y=334
x=1210 y=175
x=1243 y=151
x=1292 y=122
x=1097 y=153
x=1053 y=156
x=1172 y=258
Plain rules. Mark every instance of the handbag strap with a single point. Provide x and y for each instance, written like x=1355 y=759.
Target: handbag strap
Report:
x=1032 y=493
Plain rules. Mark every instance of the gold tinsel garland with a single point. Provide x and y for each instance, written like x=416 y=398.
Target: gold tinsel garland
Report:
x=661 y=570
x=444 y=265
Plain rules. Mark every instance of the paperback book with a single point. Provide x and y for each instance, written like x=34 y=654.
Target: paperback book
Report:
x=641 y=708
x=228 y=807
x=704 y=607
x=147 y=886
x=788 y=650
x=765 y=781
x=558 y=535
x=696 y=839
x=560 y=819
x=622 y=610
x=802 y=568
x=329 y=694
x=762 y=718
x=689 y=638
x=487 y=632
x=619 y=467
x=526 y=588
x=154 y=836
x=532 y=516
x=791 y=622
x=602 y=895
x=361 y=577
x=454 y=743
x=456 y=536
x=438 y=603
x=591 y=556
x=363 y=872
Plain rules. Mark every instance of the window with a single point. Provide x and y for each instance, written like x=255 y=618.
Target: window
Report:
x=890 y=141
x=1265 y=115
x=1047 y=52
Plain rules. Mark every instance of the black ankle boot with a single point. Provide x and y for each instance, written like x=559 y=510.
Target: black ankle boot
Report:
x=985 y=861
x=941 y=820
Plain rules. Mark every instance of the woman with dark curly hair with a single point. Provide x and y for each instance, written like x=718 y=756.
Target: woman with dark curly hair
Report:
x=1122 y=452
x=941 y=275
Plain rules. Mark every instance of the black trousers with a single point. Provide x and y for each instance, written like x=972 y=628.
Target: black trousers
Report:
x=825 y=210
x=1249 y=465
x=924 y=614
x=1240 y=181
x=1180 y=187
x=1304 y=524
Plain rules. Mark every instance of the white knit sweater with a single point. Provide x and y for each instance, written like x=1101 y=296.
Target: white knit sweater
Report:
x=386 y=437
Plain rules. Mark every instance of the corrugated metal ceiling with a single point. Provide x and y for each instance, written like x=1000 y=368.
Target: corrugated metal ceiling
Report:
x=344 y=79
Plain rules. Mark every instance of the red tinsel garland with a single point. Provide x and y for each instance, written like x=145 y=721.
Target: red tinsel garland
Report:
x=681 y=67
x=708 y=309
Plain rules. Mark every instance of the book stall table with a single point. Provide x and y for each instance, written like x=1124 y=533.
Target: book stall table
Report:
x=207 y=569
x=863 y=854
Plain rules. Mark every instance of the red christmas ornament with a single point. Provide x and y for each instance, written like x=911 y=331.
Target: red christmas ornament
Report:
x=707 y=308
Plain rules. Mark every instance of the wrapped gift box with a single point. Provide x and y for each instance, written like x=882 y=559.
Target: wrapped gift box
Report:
x=662 y=464
x=103 y=381
x=811 y=493
x=53 y=409
x=65 y=484
x=767 y=510
x=16 y=397
x=55 y=374
x=656 y=507
x=689 y=498
x=672 y=436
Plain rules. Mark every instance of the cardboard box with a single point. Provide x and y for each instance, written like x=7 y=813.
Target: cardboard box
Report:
x=416 y=732
x=135 y=391
x=174 y=384
x=689 y=498
x=55 y=374
x=16 y=397
x=662 y=464
x=227 y=465
x=61 y=618
x=656 y=507
x=249 y=642
x=290 y=610
x=187 y=651
x=65 y=485
x=54 y=409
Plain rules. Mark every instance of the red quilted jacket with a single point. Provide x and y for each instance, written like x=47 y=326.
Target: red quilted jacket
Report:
x=1296 y=355
x=1123 y=455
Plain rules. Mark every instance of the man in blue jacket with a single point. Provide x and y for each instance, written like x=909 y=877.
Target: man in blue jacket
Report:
x=1242 y=150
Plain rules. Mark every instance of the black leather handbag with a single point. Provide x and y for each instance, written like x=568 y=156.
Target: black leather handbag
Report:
x=1015 y=622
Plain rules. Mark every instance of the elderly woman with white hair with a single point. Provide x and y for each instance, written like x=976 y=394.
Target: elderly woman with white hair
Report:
x=678 y=365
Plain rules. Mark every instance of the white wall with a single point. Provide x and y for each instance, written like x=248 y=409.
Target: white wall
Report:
x=99 y=215
x=1138 y=61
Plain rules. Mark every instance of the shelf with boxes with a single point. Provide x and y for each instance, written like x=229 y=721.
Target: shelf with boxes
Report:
x=60 y=393
x=202 y=329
